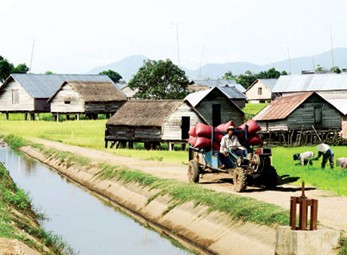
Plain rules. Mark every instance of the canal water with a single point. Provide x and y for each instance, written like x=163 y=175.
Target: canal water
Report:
x=88 y=224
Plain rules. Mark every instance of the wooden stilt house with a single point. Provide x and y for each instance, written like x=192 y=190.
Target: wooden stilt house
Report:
x=152 y=122
x=87 y=97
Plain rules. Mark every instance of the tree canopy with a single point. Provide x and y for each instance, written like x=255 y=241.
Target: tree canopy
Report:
x=248 y=77
x=6 y=68
x=114 y=76
x=159 y=80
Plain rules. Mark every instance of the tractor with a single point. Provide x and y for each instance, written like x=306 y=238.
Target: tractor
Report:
x=253 y=169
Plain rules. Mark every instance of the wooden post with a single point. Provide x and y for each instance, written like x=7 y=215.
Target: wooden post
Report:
x=7 y=116
x=304 y=204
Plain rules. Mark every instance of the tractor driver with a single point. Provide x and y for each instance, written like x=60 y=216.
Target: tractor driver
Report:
x=229 y=141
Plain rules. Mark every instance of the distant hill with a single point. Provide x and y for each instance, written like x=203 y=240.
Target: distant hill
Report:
x=129 y=66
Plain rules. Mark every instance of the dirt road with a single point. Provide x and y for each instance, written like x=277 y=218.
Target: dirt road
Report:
x=332 y=209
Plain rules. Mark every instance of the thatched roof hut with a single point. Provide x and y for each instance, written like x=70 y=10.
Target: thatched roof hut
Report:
x=152 y=121
x=87 y=97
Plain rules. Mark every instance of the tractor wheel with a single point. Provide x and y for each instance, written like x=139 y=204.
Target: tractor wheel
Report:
x=239 y=179
x=270 y=178
x=193 y=171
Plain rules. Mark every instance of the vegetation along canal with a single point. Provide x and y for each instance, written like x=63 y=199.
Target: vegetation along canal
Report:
x=85 y=222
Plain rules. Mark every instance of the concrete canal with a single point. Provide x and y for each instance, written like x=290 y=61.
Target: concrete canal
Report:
x=88 y=224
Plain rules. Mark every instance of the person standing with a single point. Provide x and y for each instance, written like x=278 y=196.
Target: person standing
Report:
x=327 y=153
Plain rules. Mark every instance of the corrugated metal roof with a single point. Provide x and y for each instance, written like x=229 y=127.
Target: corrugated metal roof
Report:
x=281 y=107
x=232 y=92
x=337 y=99
x=220 y=83
x=45 y=85
x=269 y=83
x=195 y=98
x=310 y=82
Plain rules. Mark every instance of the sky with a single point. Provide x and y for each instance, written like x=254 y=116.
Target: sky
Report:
x=75 y=36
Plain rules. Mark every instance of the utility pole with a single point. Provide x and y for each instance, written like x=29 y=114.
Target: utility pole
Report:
x=331 y=44
x=289 y=62
x=32 y=56
x=178 y=49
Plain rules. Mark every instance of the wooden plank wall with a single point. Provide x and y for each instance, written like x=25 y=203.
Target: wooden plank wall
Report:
x=171 y=129
x=58 y=103
x=303 y=117
x=26 y=102
x=130 y=133
x=228 y=110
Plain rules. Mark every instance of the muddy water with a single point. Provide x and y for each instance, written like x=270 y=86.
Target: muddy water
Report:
x=89 y=225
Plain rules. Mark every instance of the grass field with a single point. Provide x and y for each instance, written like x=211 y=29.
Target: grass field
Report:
x=251 y=110
x=90 y=133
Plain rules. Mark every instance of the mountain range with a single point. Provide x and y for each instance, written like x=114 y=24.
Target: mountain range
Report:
x=129 y=66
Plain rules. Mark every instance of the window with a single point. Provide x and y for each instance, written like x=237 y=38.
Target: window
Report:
x=15 y=96
x=260 y=91
x=67 y=100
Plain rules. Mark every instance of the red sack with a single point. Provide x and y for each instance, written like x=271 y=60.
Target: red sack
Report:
x=192 y=131
x=218 y=136
x=192 y=140
x=203 y=130
x=223 y=127
x=202 y=142
x=216 y=146
x=255 y=140
x=253 y=126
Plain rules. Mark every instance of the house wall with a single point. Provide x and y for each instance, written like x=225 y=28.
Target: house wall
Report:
x=25 y=101
x=66 y=93
x=228 y=110
x=171 y=129
x=131 y=133
x=303 y=117
x=103 y=107
x=253 y=96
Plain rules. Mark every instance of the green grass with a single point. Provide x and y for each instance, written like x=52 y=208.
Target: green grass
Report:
x=90 y=133
x=239 y=208
x=343 y=245
x=14 y=227
x=327 y=179
x=251 y=110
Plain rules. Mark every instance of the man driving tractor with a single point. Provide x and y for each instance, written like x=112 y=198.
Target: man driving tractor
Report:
x=229 y=141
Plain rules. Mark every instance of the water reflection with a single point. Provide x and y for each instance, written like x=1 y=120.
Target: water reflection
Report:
x=88 y=224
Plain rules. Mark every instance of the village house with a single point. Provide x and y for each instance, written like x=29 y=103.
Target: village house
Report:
x=260 y=91
x=233 y=90
x=152 y=122
x=295 y=119
x=86 y=97
x=332 y=87
x=29 y=93
x=216 y=107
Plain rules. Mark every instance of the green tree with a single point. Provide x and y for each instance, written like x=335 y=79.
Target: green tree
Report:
x=229 y=76
x=246 y=79
x=272 y=73
x=114 y=76
x=335 y=69
x=49 y=72
x=21 y=68
x=159 y=80
x=5 y=68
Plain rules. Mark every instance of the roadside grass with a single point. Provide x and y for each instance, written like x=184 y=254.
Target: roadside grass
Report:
x=239 y=208
x=18 y=227
x=343 y=245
